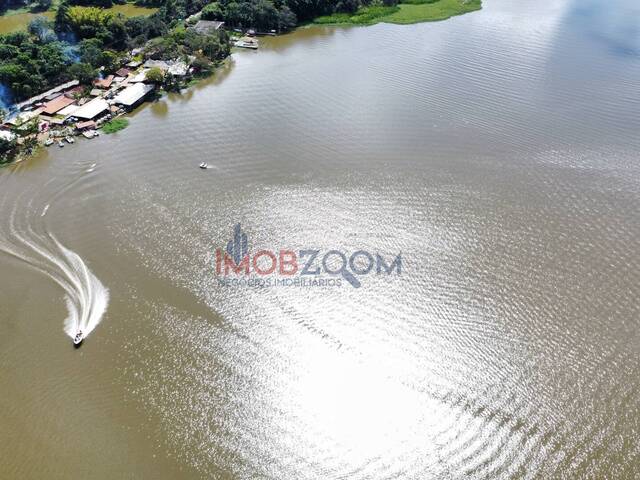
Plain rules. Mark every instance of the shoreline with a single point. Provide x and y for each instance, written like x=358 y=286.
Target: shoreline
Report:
x=46 y=134
x=408 y=12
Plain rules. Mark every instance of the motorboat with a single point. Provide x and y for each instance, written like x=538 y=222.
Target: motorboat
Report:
x=204 y=165
x=48 y=142
x=60 y=144
x=77 y=340
x=69 y=139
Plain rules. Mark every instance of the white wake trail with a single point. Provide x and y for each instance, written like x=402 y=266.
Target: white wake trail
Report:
x=86 y=298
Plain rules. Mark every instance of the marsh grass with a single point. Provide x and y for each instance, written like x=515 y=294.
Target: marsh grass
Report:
x=408 y=11
x=115 y=125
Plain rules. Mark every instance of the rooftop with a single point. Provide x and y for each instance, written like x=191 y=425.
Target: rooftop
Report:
x=39 y=98
x=68 y=110
x=131 y=95
x=207 y=26
x=91 y=109
x=57 y=104
x=103 y=82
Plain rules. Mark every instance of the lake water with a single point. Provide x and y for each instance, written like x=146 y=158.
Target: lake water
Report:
x=497 y=152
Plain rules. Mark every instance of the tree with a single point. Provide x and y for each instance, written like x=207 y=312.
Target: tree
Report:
x=212 y=12
x=91 y=51
x=40 y=27
x=83 y=72
x=42 y=5
x=288 y=19
x=7 y=149
x=62 y=20
x=109 y=61
x=154 y=75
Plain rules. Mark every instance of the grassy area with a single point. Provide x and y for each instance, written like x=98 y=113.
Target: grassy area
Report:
x=115 y=125
x=409 y=11
x=18 y=19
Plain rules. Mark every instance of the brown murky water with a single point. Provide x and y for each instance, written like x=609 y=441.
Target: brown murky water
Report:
x=497 y=151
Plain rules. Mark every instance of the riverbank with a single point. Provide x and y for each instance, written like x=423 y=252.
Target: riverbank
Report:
x=56 y=123
x=406 y=12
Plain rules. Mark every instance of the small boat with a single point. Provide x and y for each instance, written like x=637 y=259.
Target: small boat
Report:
x=69 y=139
x=247 y=42
x=60 y=144
x=77 y=340
x=204 y=165
x=88 y=134
x=48 y=142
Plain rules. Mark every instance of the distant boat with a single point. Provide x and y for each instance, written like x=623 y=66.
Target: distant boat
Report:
x=48 y=142
x=77 y=340
x=204 y=165
x=69 y=139
x=89 y=134
x=60 y=144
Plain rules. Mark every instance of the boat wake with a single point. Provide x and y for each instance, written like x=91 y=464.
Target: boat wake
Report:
x=29 y=240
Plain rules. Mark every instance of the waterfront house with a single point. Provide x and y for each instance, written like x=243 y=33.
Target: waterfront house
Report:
x=103 y=82
x=177 y=68
x=20 y=118
x=54 y=106
x=73 y=92
x=133 y=95
x=42 y=96
x=87 y=125
x=68 y=110
x=141 y=76
x=206 y=27
x=92 y=109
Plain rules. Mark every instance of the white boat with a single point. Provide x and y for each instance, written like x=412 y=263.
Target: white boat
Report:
x=69 y=139
x=247 y=42
x=48 y=142
x=88 y=134
x=60 y=144
x=77 y=340
x=204 y=165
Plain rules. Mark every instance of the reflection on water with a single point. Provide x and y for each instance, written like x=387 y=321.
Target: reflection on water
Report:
x=617 y=25
x=497 y=151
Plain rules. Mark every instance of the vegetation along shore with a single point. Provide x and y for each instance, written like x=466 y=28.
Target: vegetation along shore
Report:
x=80 y=64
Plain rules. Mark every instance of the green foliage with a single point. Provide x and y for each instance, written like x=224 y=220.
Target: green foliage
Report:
x=406 y=11
x=8 y=150
x=92 y=3
x=84 y=72
x=87 y=20
x=41 y=28
x=115 y=125
x=213 y=11
x=28 y=67
x=155 y=75
x=42 y=5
